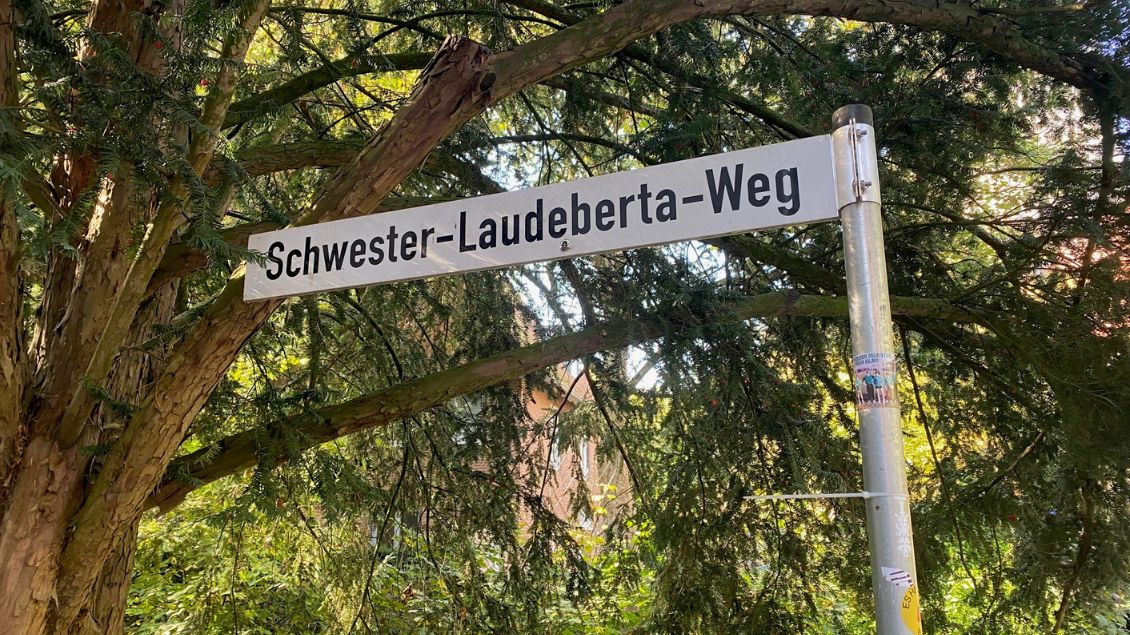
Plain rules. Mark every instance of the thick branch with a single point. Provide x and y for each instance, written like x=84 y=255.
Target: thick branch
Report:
x=351 y=66
x=244 y=110
x=244 y=450
x=167 y=220
x=1099 y=75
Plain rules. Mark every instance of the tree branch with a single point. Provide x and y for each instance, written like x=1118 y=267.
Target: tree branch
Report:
x=1095 y=74
x=243 y=450
x=353 y=65
x=1086 y=544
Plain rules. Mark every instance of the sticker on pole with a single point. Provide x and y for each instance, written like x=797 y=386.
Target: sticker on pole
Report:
x=790 y=183
x=909 y=609
x=875 y=381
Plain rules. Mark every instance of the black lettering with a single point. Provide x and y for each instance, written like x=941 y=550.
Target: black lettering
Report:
x=408 y=246
x=377 y=250
x=463 y=246
x=357 y=253
x=665 y=211
x=723 y=186
x=511 y=223
x=424 y=235
x=335 y=255
x=792 y=198
x=580 y=211
x=488 y=233
x=392 y=243
x=292 y=269
x=310 y=251
x=534 y=222
x=605 y=210
x=557 y=220
x=624 y=200
x=758 y=190
x=274 y=261
x=645 y=195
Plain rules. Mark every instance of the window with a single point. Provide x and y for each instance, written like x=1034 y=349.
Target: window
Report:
x=583 y=457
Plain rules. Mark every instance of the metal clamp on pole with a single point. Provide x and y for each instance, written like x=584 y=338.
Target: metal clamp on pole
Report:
x=889 y=534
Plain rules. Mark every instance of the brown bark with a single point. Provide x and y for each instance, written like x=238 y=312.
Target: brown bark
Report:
x=241 y=451
x=48 y=491
x=13 y=365
x=103 y=260
x=86 y=554
x=43 y=497
x=107 y=615
x=134 y=368
x=123 y=304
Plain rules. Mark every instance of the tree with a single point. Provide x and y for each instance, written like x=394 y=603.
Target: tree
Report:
x=143 y=141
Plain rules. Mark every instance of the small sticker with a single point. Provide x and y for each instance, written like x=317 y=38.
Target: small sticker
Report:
x=875 y=381
x=911 y=614
x=898 y=577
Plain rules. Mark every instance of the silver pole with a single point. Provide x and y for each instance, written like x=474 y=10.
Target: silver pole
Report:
x=893 y=576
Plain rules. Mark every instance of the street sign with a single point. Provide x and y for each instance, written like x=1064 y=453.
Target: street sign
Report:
x=803 y=181
x=789 y=183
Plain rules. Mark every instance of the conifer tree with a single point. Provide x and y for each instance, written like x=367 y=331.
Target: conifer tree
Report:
x=144 y=140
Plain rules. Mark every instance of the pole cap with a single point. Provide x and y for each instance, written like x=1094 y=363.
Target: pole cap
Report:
x=843 y=116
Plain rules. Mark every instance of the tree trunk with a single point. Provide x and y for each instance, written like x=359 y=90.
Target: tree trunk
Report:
x=50 y=482
x=45 y=494
x=107 y=613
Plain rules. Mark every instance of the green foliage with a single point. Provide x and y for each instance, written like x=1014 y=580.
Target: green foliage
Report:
x=1001 y=196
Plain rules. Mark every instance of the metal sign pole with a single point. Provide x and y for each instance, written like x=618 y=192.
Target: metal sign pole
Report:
x=893 y=576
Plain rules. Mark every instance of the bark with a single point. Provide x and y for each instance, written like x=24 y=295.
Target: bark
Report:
x=168 y=218
x=44 y=495
x=48 y=491
x=134 y=369
x=103 y=262
x=107 y=615
x=244 y=450
x=13 y=363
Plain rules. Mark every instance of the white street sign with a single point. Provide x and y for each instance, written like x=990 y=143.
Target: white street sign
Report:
x=788 y=183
